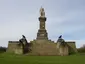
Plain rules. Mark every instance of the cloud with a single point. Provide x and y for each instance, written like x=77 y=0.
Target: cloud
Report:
x=70 y=25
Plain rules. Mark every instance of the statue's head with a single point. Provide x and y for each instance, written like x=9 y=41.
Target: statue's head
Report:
x=41 y=9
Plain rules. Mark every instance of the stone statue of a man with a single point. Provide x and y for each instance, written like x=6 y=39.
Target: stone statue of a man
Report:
x=42 y=13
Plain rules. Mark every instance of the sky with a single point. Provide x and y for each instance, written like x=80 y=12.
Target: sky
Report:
x=64 y=17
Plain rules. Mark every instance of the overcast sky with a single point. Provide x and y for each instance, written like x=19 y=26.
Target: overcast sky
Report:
x=64 y=17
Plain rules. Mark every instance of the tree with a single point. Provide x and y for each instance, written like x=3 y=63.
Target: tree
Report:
x=2 y=49
x=81 y=49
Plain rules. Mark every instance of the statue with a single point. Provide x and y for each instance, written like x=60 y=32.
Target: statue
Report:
x=42 y=13
x=23 y=40
x=60 y=39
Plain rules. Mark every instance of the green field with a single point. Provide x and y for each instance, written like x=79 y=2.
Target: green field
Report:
x=24 y=59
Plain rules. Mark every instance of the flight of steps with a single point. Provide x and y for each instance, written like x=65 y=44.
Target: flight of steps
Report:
x=43 y=47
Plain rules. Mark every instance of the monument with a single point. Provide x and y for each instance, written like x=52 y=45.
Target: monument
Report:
x=42 y=45
x=42 y=33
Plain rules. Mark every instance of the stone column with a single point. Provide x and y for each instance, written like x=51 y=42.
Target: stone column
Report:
x=42 y=33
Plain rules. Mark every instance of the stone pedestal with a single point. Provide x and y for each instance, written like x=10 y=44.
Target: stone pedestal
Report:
x=63 y=50
x=42 y=33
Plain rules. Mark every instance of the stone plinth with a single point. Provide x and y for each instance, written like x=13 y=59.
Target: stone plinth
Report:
x=42 y=32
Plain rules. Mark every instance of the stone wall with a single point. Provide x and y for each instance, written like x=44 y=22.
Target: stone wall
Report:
x=72 y=46
x=42 y=47
x=13 y=47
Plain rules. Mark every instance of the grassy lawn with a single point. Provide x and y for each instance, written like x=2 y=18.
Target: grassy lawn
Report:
x=24 y=59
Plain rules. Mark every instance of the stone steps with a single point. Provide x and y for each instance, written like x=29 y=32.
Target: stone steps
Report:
x=43 y=47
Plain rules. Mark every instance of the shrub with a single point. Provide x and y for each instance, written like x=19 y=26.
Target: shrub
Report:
x=2 y=49
x=81 y=49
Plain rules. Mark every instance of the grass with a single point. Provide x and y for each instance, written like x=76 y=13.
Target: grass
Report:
x=24 y=59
